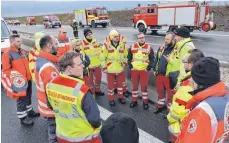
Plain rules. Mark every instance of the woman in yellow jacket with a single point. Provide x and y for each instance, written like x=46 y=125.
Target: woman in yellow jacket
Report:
x=177 y=111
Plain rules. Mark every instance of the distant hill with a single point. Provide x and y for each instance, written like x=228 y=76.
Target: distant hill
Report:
x=123 y=17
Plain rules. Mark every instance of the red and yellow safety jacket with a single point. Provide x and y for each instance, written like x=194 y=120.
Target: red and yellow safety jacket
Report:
x=46 y=70
x=208 y=120
x=113 y=59
x=92 y=50
x=141 y=57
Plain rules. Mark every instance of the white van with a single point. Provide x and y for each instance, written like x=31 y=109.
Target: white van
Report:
x=5 y=34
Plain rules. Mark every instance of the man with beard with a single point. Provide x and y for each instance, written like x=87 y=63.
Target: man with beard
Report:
x=161 y=71
x=46 y=70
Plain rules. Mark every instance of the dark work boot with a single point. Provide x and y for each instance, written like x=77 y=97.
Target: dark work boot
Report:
x=158 y=110
x=145 y=106
x=133 y=104
x=33 y=114
x=126 y=94
x=99 y=93
x=26 y=121
x=122 y=100
x=112 y=103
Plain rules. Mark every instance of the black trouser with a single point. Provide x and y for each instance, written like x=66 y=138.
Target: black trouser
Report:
x=24 y=103
x=75 y=33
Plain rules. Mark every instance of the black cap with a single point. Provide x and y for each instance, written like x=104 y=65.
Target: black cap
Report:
x=120 y=128
x=183 y=32
x=87 y=31
x=206 y=71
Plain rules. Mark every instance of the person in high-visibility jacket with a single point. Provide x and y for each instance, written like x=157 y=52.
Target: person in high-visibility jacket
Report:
x=34 y=53
x=16 y=78
x=91 y=47
x=183 y=45
x=75 y=29
x=140 y=61
x=208 y=110
x=46 y=70
x=161 y=71
x=63 y=43
x=75 y=46
x=182 y=96
x=76 y=112
x=122 y=40
x=113 y=61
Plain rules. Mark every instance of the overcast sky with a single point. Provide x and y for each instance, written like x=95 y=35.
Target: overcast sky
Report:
x=30 y=8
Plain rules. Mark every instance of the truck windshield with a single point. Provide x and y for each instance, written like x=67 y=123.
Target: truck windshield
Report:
x=54 y=19
x=137 y=11
x=102 y=11
x=4 y=30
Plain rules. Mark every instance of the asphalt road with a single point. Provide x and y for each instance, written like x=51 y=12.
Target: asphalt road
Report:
x=213 y=43
x=153 y=126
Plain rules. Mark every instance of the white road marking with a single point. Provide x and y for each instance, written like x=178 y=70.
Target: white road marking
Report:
x=144 y=137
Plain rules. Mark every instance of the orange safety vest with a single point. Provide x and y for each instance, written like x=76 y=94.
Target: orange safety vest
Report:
x=208 y=121
x=46 y=70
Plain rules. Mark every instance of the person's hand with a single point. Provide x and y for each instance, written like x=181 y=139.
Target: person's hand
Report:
x=154 y=73
x=167 y=57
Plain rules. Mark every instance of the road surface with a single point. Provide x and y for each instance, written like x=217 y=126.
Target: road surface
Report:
x=215 y=44
x=152 y=128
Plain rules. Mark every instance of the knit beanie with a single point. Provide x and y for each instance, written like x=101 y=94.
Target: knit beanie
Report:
x=206 y=72
x=87 y=31
x=120 y=128
x=113 y=34
x=183 y=32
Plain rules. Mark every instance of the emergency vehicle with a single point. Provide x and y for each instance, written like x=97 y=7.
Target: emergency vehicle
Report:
x=172 y=15
x=30 y=20
x=51 y=21
x=5 y=34
x=92 y=17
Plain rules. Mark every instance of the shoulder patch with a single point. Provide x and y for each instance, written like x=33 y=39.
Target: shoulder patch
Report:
x=192 y=126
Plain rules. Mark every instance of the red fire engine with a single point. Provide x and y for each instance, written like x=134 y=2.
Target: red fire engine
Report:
x=172 y=15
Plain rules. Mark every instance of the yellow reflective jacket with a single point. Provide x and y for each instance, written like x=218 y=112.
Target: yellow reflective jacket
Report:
x=113 y=59
x=181 y=49
x=92 y=50
x=34 y=53
x=66 y=94
x=177 y=110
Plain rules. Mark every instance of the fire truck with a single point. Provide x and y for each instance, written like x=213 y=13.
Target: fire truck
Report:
x=92 y=17
x=172 y=15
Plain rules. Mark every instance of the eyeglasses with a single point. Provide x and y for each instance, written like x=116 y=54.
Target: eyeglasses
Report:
x=141 y=37
x=185 y=62
x=64 y=32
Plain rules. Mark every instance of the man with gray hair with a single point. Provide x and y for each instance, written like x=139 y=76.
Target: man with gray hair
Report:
x=76 y=112
x=46 y=70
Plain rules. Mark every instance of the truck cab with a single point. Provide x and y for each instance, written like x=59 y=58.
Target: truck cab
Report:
x=92 y=17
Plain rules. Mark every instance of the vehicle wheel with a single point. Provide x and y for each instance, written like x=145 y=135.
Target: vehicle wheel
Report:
x=104 y=25
x=154 y=32
x=141 y=28
x=59 y=25
x=93 y=25
x=19 y=24
x=53 y=26
x=34 y=23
